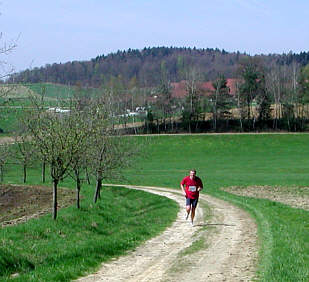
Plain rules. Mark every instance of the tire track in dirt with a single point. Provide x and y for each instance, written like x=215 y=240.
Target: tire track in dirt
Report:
x=230 y=254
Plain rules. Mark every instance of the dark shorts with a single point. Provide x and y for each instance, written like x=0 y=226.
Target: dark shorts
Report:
x=191 y=202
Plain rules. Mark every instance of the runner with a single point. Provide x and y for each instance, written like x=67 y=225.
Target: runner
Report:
x=190 y=186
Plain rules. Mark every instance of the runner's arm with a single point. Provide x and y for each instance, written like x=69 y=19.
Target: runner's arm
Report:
x=183 y=190
x=200 y=187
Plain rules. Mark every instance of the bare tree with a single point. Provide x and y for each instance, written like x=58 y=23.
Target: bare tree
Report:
x=79 y=159
x=303 y=93
x=163 y=106
x=24 y=153
x=282 y=84
x=251 y=71
x=108 y=151
x=58 y=137
x=220 y=99
x=192 y=105
x=5 y=68
x=4 y=157
x=274 y=85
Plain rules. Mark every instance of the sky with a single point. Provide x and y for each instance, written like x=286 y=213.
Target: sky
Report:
x=59 y=31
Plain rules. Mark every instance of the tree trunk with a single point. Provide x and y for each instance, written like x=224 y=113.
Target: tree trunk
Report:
x=158 y=126
x=55 y=203
x=134 y=126
x=1 y=173
x=87 y=177
x=25 y=173
x=215 y=120
x=196 y=125
x=147 y=125
x=241 y=126
x=43 y=171
x=78 y=191
x=216 y=111
x=275 y=121
x=97 y=190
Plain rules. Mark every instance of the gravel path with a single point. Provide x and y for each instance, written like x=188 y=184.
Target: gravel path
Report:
x=229 y=252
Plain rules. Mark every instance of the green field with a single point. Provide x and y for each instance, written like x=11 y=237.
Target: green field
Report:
x=225 y=160
x=236 y=160
x=60 y=91
x=49 y=90
x=18 y=98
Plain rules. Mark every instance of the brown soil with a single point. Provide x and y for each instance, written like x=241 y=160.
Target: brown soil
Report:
x=6 y=140
x=19 y=203
x=297 y=197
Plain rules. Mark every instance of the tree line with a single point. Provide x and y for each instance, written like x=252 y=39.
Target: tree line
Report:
x=143 y=66
x=266 y=97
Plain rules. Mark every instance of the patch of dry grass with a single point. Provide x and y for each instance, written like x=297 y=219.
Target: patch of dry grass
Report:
x=297 y=197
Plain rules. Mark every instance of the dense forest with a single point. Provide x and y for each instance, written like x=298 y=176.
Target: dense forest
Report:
x=143 y=67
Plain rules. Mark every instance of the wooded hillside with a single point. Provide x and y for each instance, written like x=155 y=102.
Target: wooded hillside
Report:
x=143 y=68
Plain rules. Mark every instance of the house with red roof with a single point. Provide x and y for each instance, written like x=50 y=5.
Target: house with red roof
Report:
x=179 y=88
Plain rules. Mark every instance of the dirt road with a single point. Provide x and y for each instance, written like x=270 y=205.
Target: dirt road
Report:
x=226 y=247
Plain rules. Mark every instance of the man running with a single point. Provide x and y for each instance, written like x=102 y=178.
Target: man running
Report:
x=191 y=186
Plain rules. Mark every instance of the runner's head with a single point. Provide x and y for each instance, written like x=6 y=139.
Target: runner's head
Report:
x=192 y=173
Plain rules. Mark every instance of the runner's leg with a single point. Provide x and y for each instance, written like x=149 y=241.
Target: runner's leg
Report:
x=192 y=213
x=194 y=205
x=188 y=207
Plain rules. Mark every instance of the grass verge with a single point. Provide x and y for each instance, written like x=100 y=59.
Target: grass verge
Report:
x=79 y=240
x=283 y=234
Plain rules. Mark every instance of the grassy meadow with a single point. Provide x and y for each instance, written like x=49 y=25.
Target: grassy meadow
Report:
x=60 y=91
x=224 y=160
x=48 y=90
x=17 y=98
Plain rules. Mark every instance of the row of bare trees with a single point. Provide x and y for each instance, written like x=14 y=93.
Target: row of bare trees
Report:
x=81 y=143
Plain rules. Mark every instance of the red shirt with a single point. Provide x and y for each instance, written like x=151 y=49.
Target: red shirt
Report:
x=191 y=186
